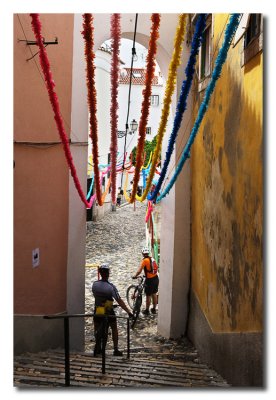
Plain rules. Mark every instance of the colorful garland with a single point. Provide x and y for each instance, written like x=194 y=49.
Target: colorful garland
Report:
x=45 y=65
x=154 y=35
x=170 y=85
x=115 y=44
x=220 y=60
x=88 y=36
x=182 y=101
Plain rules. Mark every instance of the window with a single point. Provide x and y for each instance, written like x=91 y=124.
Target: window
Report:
x=253 y=29
x=205 y=53
x=148 y=130
x=154 y=100
x=253 y=38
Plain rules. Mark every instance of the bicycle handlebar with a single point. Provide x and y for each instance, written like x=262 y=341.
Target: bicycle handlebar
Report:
x=140 y=278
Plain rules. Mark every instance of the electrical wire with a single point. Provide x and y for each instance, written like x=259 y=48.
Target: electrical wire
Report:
x=129 y=92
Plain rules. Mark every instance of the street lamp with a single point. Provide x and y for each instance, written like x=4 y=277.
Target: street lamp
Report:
x=133 y=126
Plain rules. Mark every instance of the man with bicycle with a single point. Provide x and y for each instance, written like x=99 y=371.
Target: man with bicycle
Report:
x=150 y=268
x=105 y=292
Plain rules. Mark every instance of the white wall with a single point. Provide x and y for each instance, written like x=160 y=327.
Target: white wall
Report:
x=102 y=80
x=102 y=63
x=77 y=210
x=175 y=232
x=135 y=113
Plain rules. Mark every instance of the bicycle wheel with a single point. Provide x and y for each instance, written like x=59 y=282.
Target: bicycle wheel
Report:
x=131 y=295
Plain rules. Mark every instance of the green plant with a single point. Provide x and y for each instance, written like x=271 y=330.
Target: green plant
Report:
x=148 y=148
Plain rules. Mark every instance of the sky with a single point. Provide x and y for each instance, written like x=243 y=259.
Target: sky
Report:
x=6 y=98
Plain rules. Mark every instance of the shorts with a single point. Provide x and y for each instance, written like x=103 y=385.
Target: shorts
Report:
x=151 y=285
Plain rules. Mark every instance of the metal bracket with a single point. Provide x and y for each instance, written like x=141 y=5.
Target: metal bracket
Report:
x=34 y=43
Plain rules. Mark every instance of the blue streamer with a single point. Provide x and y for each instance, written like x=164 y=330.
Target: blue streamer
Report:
x=144 y=178
x=220 y=60
x=182 y=101
x=90 y=189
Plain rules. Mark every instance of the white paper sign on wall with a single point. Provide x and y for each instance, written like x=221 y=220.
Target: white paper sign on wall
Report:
x=35 y=257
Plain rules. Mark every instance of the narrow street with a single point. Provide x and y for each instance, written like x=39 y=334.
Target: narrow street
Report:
x=118 y=239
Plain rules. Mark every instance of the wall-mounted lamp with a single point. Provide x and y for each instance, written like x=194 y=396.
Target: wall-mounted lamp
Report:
x=133 y=126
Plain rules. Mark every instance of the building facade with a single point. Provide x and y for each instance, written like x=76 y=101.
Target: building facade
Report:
x=49 y=218
x=226 y=310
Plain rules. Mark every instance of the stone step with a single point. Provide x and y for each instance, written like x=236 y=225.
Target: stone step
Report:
x=47 y=369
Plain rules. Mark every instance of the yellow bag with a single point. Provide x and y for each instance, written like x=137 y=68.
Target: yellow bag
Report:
x=100 y=310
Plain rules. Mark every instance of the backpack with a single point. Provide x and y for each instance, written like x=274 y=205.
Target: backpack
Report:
x=153 y=266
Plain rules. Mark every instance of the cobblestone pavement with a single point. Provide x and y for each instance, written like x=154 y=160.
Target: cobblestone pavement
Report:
x=118 y=239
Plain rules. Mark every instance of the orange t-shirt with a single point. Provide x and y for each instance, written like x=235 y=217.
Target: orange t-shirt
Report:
x=145 y=264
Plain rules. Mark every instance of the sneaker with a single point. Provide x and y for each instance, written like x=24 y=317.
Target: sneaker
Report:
x=117 y=353
x=153 y=310
x=145 y=312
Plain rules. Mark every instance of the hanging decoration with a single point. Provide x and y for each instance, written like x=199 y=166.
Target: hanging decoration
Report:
x=151 y=232
x=182 y=101
x=149 y=211
x=170 y=85
x=90 y=189
x=45 y=65
x=88 y=35
x=114 y=74
x=150 y=68
x=220 y=60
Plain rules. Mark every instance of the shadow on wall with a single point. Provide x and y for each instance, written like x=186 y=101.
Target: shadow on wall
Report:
x=227 y=219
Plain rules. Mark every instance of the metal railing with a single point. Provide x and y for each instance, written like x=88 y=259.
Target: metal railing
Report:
x=66 y=318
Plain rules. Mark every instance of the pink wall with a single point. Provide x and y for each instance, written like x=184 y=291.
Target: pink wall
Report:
x=41 y=177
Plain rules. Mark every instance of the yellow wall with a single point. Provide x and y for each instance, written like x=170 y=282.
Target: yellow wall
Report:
x=227 y=198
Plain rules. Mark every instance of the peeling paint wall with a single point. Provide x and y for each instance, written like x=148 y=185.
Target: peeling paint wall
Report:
x=227 y=197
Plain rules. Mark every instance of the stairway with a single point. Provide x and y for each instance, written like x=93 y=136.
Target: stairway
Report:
x=148 y=367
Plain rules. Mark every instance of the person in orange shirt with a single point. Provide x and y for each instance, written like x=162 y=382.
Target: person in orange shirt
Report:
x=150 y=268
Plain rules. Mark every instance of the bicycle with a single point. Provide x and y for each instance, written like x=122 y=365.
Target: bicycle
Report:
x=134 y=297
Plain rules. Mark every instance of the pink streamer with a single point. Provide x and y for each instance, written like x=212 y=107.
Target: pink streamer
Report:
x=45 y=65
x=149 y=211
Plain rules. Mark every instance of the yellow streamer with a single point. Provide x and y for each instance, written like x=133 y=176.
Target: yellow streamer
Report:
x=125 y=188
x=126 y=181
x=148 y=162
x=170 y=85
x=136 y=196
